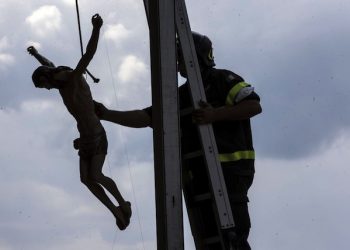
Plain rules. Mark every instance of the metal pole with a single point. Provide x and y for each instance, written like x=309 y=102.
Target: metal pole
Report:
x=161 y=21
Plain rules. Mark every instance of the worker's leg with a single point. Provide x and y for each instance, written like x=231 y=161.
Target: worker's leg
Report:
x=237 y=188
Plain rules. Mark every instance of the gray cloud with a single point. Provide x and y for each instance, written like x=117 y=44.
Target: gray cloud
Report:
x=294 y=53
x=297 y=62
x=302 y=203
x=43 y=187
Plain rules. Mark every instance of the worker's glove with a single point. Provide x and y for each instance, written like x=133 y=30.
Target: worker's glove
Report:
x=100 y=109
x=205 y=114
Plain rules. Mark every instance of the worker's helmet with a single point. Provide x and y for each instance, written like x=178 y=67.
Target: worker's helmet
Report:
x=204 y=49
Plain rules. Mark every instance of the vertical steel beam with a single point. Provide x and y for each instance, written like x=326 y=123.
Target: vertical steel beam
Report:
x=161 y=19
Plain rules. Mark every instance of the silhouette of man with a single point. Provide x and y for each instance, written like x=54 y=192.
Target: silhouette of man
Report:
x=92 y=144
x=231 y=103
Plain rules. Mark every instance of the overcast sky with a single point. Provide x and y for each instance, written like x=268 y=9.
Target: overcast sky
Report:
x=296 y=55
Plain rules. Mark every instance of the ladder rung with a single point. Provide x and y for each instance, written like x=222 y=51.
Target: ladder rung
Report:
x=192 y=155
x=202 y=197
x=211 y=240
x=186 y=111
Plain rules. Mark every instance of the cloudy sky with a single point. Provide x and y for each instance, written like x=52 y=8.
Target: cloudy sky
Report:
x=295 y=53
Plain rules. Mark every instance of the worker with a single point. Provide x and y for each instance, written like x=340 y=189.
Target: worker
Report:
x=231 y=102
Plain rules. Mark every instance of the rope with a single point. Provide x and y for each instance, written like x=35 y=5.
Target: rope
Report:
x=96 y=80
x=126 y=151
x=79 y=27
x=111 y=175
x=116 y=98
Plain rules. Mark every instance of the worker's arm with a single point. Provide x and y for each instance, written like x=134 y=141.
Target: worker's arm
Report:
x=91 y=48
x=244 y=110
x=132 y=118
x=43 y=60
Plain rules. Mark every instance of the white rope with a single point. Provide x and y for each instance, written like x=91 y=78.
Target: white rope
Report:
x=125 y=149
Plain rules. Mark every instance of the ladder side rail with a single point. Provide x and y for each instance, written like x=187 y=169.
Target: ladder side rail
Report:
x=206 y=131
x=146 y=5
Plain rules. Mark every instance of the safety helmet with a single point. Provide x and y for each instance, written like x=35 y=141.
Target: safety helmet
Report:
x=204 y=49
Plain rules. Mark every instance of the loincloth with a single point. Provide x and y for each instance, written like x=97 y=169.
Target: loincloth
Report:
x=92 y=145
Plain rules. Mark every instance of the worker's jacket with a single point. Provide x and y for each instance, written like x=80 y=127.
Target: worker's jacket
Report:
x=233 y=138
